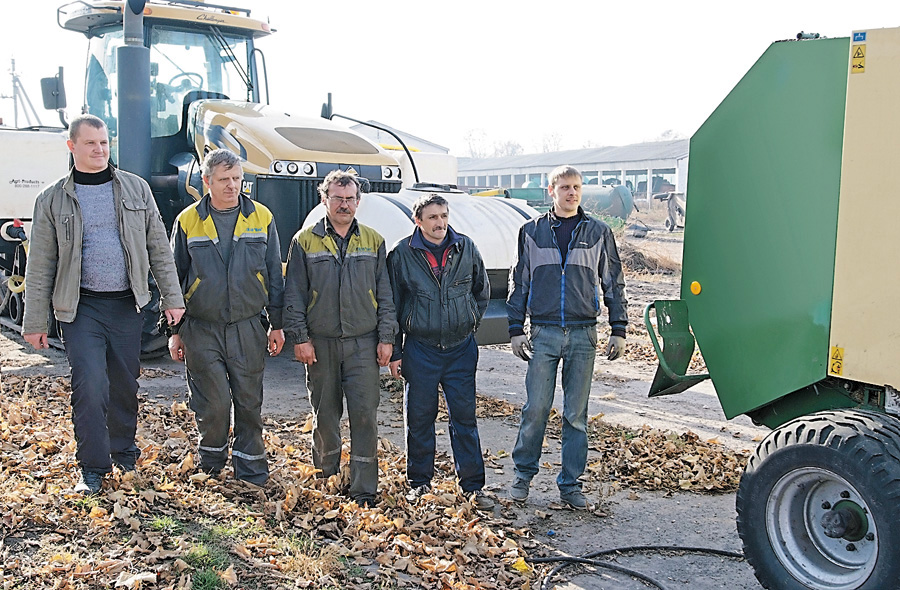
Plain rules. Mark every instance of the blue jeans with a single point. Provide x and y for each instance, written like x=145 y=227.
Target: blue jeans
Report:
x=576 y=348
x=424 y=367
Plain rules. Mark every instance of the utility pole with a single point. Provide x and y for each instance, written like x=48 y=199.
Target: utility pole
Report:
x=19 y=95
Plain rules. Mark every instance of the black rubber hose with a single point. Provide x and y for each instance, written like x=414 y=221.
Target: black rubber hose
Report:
x=588 y=560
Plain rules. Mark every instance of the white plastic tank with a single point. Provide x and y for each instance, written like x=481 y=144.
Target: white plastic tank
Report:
x=492 y=223
x=31 y=160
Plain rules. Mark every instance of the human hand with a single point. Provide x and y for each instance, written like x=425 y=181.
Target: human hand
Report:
x=395 y=368
x=174 y=315
x=615 y=348
x=38 y=341
x=276 y=341
x=521 y=347
x=176 y=348
x=305 y=352
x=384 y=352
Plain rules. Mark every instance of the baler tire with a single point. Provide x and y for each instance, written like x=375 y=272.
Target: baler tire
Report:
x=846 y=456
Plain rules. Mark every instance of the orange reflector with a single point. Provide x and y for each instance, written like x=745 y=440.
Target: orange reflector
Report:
x=695 y=288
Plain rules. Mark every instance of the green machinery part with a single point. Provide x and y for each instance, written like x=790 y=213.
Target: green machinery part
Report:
x=760 y=234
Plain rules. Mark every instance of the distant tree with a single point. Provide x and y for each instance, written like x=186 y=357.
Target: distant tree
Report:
x=476 y=143
x=551 y=142
x=507 y=148
x=669 y=134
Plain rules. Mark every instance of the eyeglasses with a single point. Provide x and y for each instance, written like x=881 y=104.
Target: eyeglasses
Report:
x=344 y=200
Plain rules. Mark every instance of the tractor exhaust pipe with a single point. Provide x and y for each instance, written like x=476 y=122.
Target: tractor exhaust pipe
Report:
x=134 y=94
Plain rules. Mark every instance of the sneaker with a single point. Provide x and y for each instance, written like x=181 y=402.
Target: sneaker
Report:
x=124 y=467
x=519 y=490
x=89 y=483
x=483 y=501
x=417 y=492
x=574 y=499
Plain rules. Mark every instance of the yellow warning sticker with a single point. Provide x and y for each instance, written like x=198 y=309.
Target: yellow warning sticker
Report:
x=858 y=59
x=836 y=364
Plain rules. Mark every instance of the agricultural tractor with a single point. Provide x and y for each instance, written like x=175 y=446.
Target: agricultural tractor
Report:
x=175 y=79
x=789 y=278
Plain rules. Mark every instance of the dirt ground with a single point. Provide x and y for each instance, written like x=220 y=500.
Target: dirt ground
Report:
x=624 y=518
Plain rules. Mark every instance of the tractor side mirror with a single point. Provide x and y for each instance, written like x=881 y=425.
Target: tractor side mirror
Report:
x=54 y=92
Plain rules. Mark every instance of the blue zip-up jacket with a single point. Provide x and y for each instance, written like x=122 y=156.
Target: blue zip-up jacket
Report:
x=553 y=295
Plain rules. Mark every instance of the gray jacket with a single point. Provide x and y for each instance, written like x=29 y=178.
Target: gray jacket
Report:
x=54 y=258
x=251 y=282
x=327 y=297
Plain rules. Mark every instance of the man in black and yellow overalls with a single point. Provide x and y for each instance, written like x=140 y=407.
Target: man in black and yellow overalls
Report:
x=229 y=266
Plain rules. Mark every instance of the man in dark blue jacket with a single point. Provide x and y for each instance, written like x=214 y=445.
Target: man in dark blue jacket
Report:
x=565 y=257
x=441 y=292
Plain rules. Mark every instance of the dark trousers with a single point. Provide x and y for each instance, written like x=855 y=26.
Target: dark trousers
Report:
x=424 y=367
x=225 y=365
x=346 y=368
x=103 y=345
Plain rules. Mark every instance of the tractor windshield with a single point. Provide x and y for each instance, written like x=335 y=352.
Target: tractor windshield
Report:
x=181 y=61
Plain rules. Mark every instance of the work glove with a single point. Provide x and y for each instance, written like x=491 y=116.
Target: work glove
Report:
x=615 y=348
x=521 y=347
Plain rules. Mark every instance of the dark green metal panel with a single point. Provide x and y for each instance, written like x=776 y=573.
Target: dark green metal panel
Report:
x=761 y=223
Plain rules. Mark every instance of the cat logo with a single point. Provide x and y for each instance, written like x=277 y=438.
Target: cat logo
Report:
x=247 y=187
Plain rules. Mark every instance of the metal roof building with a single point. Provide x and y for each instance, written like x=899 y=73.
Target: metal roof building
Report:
x=664 y=161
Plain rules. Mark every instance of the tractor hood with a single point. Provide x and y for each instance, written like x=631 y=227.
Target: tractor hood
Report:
x=263 y=135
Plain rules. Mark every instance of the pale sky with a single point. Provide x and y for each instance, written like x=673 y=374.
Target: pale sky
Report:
x=593 y=73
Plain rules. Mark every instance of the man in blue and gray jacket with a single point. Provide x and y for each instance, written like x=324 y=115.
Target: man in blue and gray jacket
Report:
x=565 y=257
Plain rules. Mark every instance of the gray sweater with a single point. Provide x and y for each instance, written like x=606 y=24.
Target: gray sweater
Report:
x=102 y=257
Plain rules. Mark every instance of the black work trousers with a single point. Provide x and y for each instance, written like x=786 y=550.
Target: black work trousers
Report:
x=103 y=345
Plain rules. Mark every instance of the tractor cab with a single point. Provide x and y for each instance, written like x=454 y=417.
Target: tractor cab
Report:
x=197 y=52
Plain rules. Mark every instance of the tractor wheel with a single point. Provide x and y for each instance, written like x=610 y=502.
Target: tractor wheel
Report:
x=16 y=308
x=5 y=295
x=817 y=504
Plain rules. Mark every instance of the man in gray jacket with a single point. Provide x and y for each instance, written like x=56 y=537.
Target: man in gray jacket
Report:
x=339 y=314
x=95 y=235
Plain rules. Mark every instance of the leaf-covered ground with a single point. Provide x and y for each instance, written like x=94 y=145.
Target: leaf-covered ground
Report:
x=168 y=526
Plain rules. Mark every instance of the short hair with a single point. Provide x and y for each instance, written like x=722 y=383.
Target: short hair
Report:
x=89 y=120
x=219 y=157
x=562 y=172
x=425 y=201
x=340 y=178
